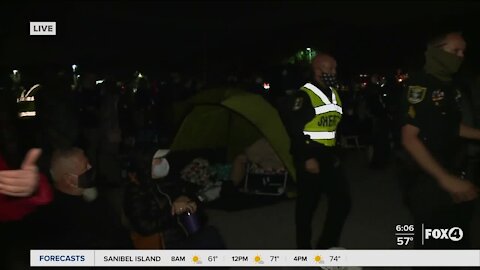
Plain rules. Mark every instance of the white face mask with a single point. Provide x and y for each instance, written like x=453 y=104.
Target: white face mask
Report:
x=90 y=194
x=160 y=170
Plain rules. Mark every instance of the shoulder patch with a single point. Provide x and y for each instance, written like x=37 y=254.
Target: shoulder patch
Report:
x=297 y=105
x=416 y=94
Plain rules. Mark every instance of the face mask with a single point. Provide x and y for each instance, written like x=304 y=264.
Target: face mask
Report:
x=330 y=80
x=90 y=194
x=87 y=179
x=160 y=170
x=441 y=64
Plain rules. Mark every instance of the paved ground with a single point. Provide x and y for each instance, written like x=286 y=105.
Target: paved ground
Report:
x=377 y=208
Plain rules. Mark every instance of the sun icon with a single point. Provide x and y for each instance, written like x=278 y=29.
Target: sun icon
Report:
x=258 y=259
x=196 y=259
x=318 y=259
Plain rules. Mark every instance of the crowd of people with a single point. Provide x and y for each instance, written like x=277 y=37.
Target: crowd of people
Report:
x=101 y=136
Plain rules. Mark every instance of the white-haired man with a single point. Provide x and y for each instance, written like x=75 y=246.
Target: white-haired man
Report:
x=74 y=220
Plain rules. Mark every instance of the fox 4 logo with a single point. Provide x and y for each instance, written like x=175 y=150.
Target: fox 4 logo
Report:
x=454 y=234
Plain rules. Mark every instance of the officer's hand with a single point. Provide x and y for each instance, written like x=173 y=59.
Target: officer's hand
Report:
x=461 y=190
x=23 y=182
x=311 y=165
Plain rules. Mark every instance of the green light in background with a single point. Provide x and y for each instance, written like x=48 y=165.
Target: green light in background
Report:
x=304 y=56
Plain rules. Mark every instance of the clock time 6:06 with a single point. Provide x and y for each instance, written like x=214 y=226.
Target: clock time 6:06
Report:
x=405 y=228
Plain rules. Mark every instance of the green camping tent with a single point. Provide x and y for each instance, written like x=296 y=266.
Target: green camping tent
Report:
x=231 y=119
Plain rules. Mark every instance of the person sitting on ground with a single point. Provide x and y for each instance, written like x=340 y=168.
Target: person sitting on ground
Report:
x=155 y=203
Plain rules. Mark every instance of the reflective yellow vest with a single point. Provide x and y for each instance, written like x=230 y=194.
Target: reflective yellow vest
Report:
x=26 y=103
x=328 y=113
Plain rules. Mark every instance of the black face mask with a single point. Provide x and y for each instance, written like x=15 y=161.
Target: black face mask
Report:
x=330 y=80
x=87 y=179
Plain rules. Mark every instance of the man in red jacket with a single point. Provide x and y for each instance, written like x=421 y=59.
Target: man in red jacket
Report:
x=22 y=190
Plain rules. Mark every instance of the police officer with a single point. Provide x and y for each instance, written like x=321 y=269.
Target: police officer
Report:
x=311 y=120
x=436 y=193
x=28 y=100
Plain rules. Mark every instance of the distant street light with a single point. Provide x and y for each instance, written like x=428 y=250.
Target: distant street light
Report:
x=309 y=50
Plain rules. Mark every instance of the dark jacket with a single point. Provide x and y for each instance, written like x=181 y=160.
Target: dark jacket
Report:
x=70 y=222
x=148 y=207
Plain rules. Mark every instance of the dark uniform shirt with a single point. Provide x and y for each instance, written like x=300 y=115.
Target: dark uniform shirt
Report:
x=432 y=106
x=300 y=111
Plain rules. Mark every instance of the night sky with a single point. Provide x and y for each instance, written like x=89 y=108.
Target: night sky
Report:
x=234 y=36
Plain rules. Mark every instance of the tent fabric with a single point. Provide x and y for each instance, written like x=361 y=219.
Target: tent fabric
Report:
x=231 y=119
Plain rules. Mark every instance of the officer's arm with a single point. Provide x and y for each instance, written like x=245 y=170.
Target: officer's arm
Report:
x=421 y=154
x=299 y=112
x=468 y=132
x=460 y=190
